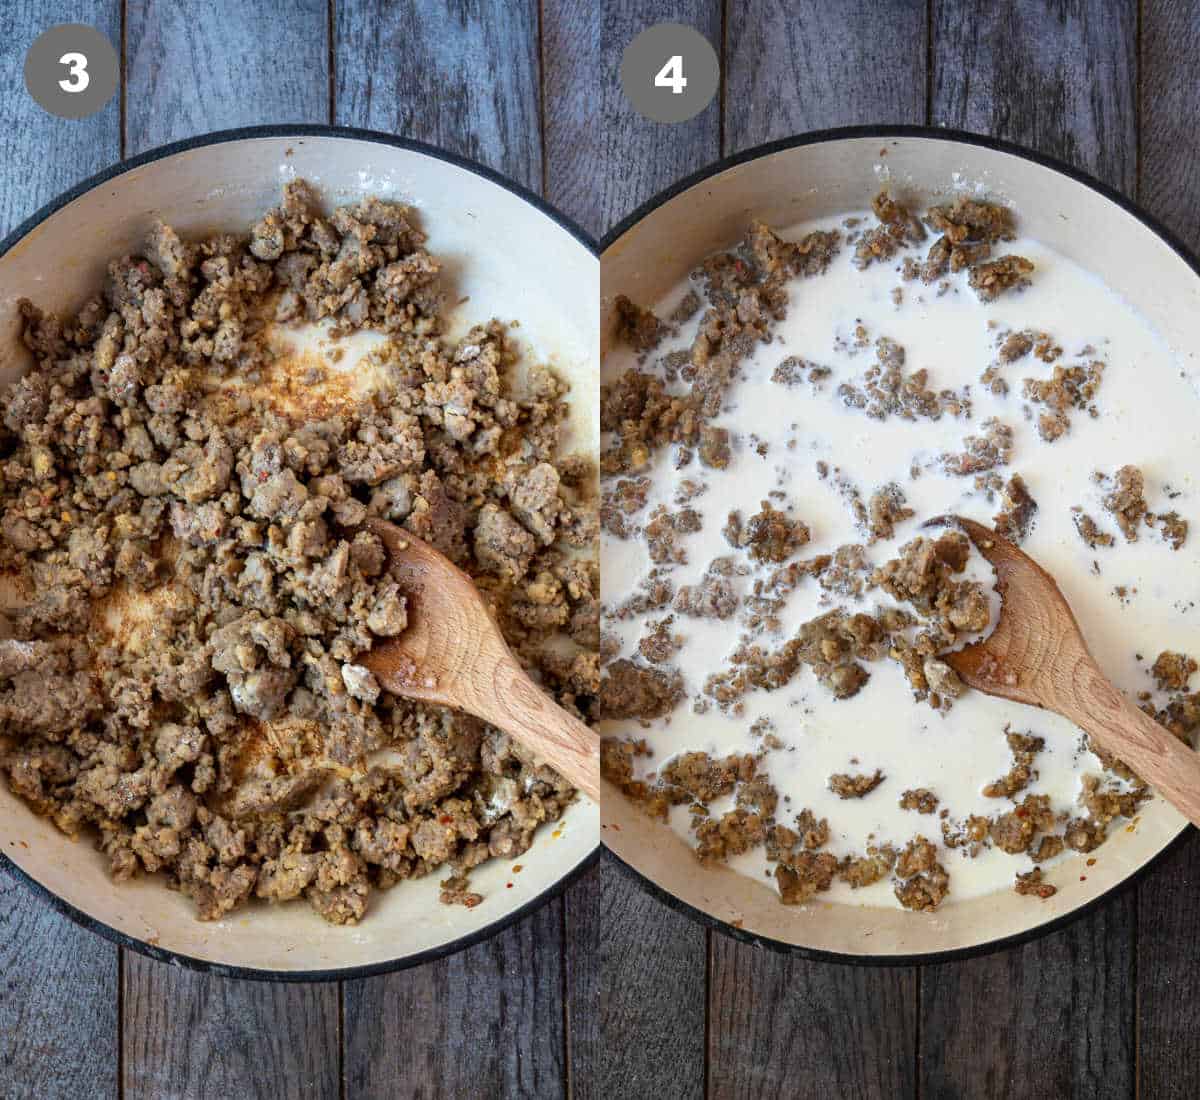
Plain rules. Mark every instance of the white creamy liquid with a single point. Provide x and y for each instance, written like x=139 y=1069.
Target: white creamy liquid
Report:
x=1148 y=418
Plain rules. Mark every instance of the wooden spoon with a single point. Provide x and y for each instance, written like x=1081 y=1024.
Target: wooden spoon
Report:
x=452 y=653
x=1037 y=655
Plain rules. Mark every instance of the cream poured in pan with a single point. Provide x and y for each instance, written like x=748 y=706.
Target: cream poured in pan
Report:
x=862 y=385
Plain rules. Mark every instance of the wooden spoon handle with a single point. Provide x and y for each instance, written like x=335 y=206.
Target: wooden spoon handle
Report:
x=555 y=736
x=1121 y=728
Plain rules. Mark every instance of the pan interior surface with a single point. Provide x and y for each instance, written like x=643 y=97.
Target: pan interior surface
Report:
x=824 y=179
x=550 y=285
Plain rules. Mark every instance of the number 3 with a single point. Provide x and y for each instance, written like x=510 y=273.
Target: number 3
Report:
x=671 y=76
x=77 y=67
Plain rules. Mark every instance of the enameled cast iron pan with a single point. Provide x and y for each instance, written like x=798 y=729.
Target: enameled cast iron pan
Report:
x=511 y=257
x=838 y=172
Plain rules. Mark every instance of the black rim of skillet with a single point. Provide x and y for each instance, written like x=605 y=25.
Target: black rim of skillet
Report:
x=891 y=133
x=124 y=939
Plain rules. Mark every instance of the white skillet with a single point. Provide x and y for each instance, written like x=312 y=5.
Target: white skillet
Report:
x=512 y=258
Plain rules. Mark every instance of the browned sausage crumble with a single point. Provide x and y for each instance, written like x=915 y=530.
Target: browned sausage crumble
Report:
x=1030 y=883
x=182 y=503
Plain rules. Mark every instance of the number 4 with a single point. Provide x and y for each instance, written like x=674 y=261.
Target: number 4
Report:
x=671 y=76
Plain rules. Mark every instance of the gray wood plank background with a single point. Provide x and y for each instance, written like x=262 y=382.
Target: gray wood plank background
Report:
x=190 y=1035
x=638 y=158
x=462 y=74
x=572 y=162
x=606 y=992
x=795 y=67
x=487 y=1021
x=193 y=66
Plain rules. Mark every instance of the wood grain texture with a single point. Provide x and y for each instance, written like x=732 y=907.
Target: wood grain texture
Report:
x=1168 y=976
x=652 y=996
x=1059 y=77
x=194 y=66
x=192 y=1035
x=1169 y=102
x=462 y=74
x=487 y=1021
x=58 y=1003
x=639 y=157
x=1054 y=1017
x=794 y=67
x=570 y=73
x=583 y=909
x=1168 y=970
x=43 y=155
x=781 y=1026
x=58 y=993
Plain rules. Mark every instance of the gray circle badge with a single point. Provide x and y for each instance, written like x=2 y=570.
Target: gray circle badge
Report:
x=670 y=72
x=71 y=70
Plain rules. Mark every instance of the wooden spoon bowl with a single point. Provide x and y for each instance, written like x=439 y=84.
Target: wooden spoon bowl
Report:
x=1037 y=655
x=452 y=653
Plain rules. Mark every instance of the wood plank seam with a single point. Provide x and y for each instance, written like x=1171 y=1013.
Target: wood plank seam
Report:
x=331 y=47
x=123 y=80
x=722 y=91
x=120 y=1023
x=541 y=54
x=564 y=992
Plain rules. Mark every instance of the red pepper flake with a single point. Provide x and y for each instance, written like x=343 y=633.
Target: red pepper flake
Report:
x=446 y=819
x=472 y=900
x=1083 y=878
x=263 y=475
x=508 y=886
